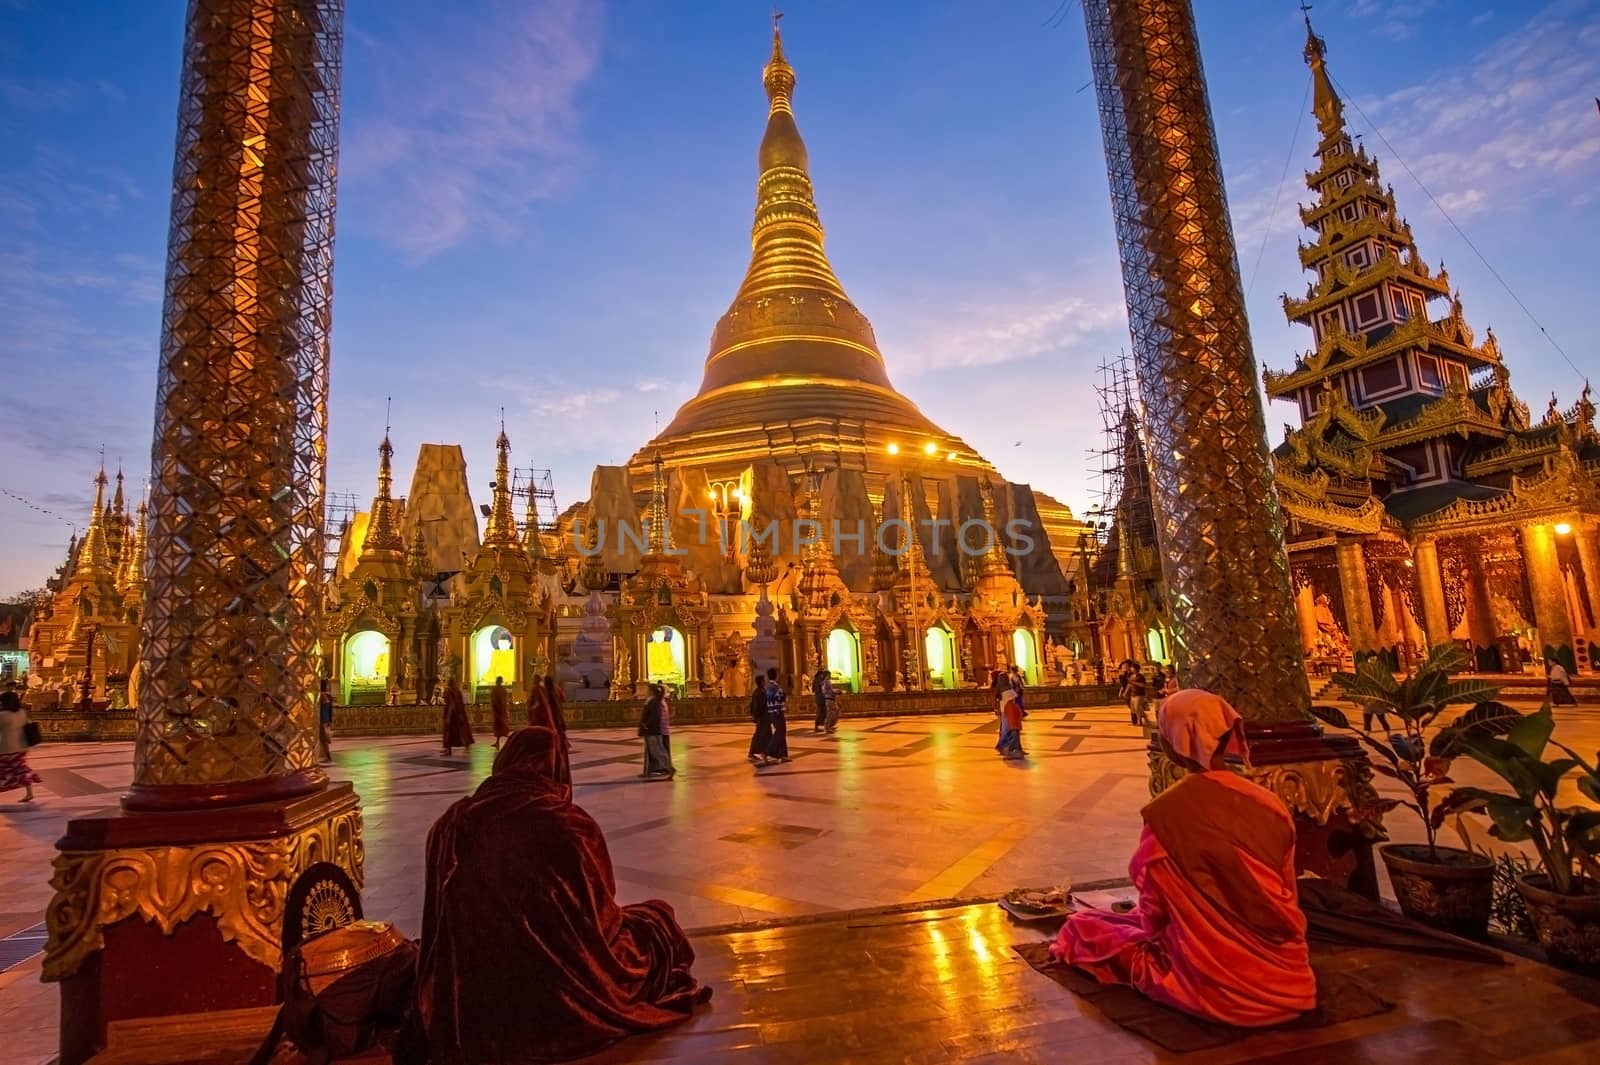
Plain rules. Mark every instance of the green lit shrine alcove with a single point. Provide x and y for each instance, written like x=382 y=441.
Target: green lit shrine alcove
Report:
x=940 y=645
x=494 y=654
x=666 y=658
x=1157 y=643
x=1025 y=654
x=364 y=671
x=844 y=659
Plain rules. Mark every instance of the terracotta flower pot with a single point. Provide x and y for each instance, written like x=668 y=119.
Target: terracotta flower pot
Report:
x=1568 y=926
x=1451 y=891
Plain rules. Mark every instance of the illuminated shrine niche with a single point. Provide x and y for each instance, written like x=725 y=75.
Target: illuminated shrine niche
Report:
x=666 y=660
x=844 y=659
x=940 y=645
x=1025 y=654
x=494 y=654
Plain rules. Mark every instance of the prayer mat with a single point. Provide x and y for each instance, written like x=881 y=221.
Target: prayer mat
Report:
x=1340 y=997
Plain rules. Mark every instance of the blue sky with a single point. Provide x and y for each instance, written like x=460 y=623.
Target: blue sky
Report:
x=546 y=205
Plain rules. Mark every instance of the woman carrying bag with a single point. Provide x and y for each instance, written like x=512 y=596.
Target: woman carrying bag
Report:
x=17 y=734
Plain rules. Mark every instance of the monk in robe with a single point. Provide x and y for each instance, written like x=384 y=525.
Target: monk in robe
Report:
x=526 y=956
x=500 y=708
x=1218 y=932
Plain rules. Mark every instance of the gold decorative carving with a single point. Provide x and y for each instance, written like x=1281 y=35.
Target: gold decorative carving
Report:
x=243 y=884
x=1321 y=790
x=1316 y=790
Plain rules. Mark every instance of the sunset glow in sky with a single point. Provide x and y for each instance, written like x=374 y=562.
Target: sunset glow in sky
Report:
x=545 y=205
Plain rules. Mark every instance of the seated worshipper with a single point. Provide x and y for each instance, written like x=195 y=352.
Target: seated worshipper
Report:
x=1218 y=932
x=526 y=956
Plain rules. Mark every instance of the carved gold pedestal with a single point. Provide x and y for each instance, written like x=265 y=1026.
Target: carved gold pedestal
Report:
x=165 y=913
x=1326 y=782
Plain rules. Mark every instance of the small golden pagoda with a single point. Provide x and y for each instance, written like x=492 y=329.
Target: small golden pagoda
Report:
x=84 y=642
x=1423 y=503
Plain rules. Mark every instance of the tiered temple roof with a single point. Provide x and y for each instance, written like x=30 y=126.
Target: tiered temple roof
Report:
x=1407 y=420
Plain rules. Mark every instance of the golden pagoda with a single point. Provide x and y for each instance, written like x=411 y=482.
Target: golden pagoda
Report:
x=793 y=367
x=1423 y=503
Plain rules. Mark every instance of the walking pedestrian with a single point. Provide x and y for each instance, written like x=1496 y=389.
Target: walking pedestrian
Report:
x=652 y=726
x=819 y=696
x=832 y=721
x=1134 y=690
x=1559 y=684
x=325 y=720
x=457 y=728
x=778 y=744
x=500 y=707
x=14 y=770
x=758 y=717
x=539 y=711
x=1010 y=745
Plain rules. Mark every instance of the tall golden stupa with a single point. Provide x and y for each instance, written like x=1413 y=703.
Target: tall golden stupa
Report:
x=794 y=368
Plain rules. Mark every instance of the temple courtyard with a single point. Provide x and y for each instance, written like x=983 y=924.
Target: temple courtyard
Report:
x=857 y=880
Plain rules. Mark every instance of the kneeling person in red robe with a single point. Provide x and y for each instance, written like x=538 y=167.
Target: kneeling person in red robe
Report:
x=1218 y=931
x=526 y=956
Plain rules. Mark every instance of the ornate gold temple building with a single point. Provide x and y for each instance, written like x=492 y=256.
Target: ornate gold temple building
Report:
x=1423 y=501
x=83 y=642
x=796 y=432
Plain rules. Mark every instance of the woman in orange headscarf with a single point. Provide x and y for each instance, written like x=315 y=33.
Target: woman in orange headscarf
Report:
x=1218 y=932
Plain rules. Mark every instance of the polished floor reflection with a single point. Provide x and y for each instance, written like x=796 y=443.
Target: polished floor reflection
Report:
x=886 y=812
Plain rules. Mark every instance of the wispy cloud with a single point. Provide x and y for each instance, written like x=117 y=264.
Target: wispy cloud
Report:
x=1056 y=316
x=1515 y=124
x=485 y=128
x=1395 y=19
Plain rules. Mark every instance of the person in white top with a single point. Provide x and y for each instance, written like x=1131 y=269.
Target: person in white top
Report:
x=1560 y=691
x=14 y=771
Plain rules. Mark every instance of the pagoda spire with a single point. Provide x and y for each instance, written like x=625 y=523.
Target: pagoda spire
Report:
x=502 y=529
x=383 y=532
x=417 y=563
x=94 y=557
x=658 y=506
x=1325 y=102
x=995 y=562
x=532 y=539
x=131 y=569
x=116 y=523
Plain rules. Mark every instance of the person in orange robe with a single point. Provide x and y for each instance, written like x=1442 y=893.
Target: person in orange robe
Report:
x=457 y=727
x=500 y=707
x=1218 y=931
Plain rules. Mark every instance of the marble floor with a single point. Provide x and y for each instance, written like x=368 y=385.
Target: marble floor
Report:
x=884 y=812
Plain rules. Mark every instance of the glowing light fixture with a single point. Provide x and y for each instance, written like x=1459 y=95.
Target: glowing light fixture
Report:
x=894 y=449
x=1563 y=528
x=738 y=493
x=950 y=457
x=930 y=448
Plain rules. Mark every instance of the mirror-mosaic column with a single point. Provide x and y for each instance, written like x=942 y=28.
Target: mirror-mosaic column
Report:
x=231 y=839
x=1223 y=557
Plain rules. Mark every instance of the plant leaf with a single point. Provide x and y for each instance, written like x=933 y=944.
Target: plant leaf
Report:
x=1446 y=657
x=1533 y=731
x=1332 y=715
x=1470 y=690
x=1484 y=719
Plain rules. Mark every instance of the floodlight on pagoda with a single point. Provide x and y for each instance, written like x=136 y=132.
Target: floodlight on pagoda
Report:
x=930 y=448
x=893 y=449
x=1563 y=528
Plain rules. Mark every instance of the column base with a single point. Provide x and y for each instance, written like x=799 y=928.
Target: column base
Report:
x=1325 y=781
x=188 y=911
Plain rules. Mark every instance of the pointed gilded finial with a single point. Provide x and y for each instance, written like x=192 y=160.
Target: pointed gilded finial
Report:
x=658 y=505
x=383 y=531
x=94 y=557
x=502 y=530
x=1325 y=102
x=417 y=556
x=778 y=75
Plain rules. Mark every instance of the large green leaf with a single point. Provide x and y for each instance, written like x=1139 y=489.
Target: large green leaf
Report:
x=1532 y=733
x=1511 y=816
x=1331 y=715
x=1550 y=774
x=1484 y=719
x=1580 y=830
x=1507 y=761
x=1445 y=658
x=1468 y=690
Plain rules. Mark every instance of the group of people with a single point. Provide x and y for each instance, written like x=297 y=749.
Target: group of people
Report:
x=1006 y=689
x=546 y=703
x=1142 y=688
x=768 y=705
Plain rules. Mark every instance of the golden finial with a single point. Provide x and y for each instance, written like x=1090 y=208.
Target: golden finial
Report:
x=502 y=530
x=778 y=75
x=1326 y=104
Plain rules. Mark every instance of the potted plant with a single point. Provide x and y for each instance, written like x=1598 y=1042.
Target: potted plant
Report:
x=1563 y=897
x=1446 y=887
